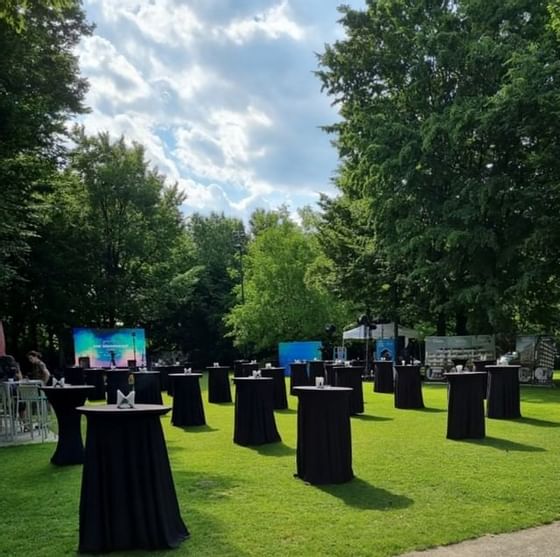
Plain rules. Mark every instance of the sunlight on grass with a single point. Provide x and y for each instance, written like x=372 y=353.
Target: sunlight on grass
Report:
x=413 y=487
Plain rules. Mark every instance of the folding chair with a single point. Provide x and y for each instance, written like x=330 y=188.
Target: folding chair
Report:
x=32 y=405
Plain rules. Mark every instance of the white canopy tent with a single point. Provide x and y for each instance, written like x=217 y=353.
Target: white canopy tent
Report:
x=386 y=330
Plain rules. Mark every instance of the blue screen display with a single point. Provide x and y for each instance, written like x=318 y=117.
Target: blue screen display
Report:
x=288 y=352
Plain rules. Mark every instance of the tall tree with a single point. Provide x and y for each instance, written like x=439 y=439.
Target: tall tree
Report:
x=449 y=160
x=131 y=226
x=40 y=88
x=283 y=299
x=217 y=240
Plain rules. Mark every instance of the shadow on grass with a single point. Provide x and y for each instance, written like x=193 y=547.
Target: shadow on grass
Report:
x=273 y=449
x=362 y=495
x=536 y=422
x=429 y=410
x=194 y=492
x=368 y=418
x=504 y=445
x=197 y=428
x=286 y=411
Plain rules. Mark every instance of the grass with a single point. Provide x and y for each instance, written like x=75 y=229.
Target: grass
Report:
x=413 y=489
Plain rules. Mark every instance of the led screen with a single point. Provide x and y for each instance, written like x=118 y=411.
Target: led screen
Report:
x=289 y=352
x=106 y=346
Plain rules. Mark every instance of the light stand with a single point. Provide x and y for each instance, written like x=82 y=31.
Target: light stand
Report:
x=134 y=348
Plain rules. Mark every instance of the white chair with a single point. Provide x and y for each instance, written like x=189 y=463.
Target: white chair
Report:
x=7 y=411
x=32 y=406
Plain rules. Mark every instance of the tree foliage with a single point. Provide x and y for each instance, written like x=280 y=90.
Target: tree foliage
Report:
x=449 y=160
x=40 y=88
x=283 y=299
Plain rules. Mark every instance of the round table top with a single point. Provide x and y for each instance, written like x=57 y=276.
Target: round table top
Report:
x=210 y=368
x=463 y=373
x=113 y=410
x=148 y=372
x=271 y=367
x=185 y=374
x=337 y=367
x=67 y=387
x=251 y=378
x=326 y=388
x=503 y=366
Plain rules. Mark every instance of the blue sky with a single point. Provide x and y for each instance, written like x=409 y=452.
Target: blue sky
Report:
x=220 y=92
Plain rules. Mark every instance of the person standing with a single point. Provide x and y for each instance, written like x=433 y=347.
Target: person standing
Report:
x=39 y=369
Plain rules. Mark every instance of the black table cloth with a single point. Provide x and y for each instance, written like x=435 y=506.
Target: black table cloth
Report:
x=74 y=375
x=238 y=368
x=383 y=377
x=480 y=365
x=351 y=376
x=503 y=392
x=329 y=373
x=218 y=384
x=298 y=375
x=324 y=443
x=187 y=400
x=128 y=499
x=280 y=398
x=408 y=387
x=165 y=370
x=117 y=379
x=64 y=400
x=147 y=387
x=247 y=368
x=316 y=368
x=254 y=411
x=95 y=376
x=465 y=411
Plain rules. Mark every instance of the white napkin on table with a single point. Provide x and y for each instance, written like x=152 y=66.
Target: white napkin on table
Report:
x=58 y=382
x=125 y=401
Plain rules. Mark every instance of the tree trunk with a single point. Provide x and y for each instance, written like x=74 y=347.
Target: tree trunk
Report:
x=441 y=324
x=461 y=323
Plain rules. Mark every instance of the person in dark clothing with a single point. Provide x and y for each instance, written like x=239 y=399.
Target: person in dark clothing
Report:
x=9 y=368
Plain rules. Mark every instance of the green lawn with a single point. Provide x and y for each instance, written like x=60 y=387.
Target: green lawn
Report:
x=413 y=487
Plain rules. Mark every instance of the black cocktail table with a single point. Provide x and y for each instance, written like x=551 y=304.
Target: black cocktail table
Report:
x=218 y=384
x=64 y=400
x=316 y=368
x=94 y=376
x=298 y=375
x=465 y=412
x=147 y=387
x=324 y=443
x=503 y=392
x=117 y=380
x=254 y=411
x=351 y=376
x=480 y=365
x=187 y=400
x=383 y=377
x=280 y=398
x=128 y=499
x=408 y=387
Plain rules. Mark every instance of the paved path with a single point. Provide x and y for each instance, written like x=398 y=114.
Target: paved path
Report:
x=542 y=541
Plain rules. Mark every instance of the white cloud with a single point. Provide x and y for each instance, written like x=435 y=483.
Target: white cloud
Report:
x=272 y=23
x=162 y=21
x=111 y=76
x=220 y=93
x=220 y=148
